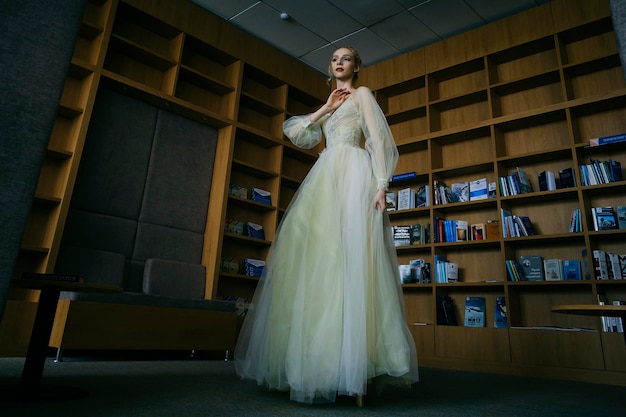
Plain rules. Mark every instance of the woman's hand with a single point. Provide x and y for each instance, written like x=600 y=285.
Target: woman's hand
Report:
x=380 y=201
x=336 y=98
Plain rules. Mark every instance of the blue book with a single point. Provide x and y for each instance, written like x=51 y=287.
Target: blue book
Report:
x=475 y=311
x=606 y=140
x=499 y=315
x=571 y=270
x=404 y=176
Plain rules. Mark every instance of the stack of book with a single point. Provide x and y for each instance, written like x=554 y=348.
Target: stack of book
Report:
x=516 y=183
x=445 y=271
x=516 y=226
x=601 y=172
x=609 y=265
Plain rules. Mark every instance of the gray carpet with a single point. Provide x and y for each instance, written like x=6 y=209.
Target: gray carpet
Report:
x=188 y=388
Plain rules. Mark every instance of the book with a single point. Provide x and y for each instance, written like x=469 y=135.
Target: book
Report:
x=53 y=277
x=420 y=271
x=602 y=300
x=553 y=269
x=527 y=225
x=461 y=190
x=261 y=196
x=615 y=170
x=571 y=270
x=600 y=265
x=446 y=314
x=532 y=268
x=401 y=235
x=547 y=181
x=567 y=178
x=238 y=191
x=606 y=140
x=404 y=176
x=406 y=199
x=618 y=320
x=620 y=213
x=405 y=274
x=253 y=267
x=499 y=313
x=506 y=230
x=514 y=270
x=478 y=189
x=491 y=190
x=616 y=265
x=493 y=229
x=422 y=196
x=390 y=199
x=604 y=218
x=524 y=181
x=474 y=312
x=419 y=234
x=451 y=271
x=255 y=230
x=478 y=231
x=461 y=230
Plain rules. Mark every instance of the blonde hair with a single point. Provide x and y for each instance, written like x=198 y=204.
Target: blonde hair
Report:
x=357 y=64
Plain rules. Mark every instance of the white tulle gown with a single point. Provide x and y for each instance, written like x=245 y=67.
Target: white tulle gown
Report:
x=328 y=313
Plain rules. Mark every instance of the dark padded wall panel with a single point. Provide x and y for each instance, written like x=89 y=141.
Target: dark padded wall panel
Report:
x=142 y=188
x=174 y=279
x=179 y=176
x=100 y=231
x=160 y=242
x=36 y=44
x=99 y=266
x=112 y=172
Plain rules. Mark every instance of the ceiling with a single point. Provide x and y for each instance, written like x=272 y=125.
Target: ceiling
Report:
x=379 y=29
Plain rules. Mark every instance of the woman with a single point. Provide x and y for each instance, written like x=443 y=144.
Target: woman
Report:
x=328 y=314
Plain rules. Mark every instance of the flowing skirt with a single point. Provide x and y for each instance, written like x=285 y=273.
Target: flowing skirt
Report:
x=328 y=312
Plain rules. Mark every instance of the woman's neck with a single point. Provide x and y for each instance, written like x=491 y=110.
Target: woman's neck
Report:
x=345 y=84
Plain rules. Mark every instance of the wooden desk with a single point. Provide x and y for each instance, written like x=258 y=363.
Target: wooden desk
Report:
x=593 y=310
x=30 y=388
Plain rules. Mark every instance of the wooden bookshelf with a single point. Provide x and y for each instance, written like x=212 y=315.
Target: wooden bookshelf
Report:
x=169 y=54
x=528 y=91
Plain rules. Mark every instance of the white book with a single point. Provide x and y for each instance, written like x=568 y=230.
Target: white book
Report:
x=553 y=269
x=616 y=266
x=406 y=199
x=600 y=264
x=452 y=272
x=479 y=189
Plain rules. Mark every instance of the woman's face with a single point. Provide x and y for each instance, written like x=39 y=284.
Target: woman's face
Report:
x=342 y=64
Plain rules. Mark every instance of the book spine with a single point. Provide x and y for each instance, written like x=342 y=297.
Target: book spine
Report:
x=606 y=140
x=404 y=176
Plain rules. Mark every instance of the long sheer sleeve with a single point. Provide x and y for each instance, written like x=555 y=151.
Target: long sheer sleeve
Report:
x=302 y=132
x=378 y=138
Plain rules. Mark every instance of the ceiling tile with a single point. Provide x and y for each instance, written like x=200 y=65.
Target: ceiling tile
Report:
x=447 y=17
x=404 y=32
x=491 y=10
x=320 y=17
x=265 y=23
x=320 y=58
x=226 y=9
x=371 y=48
x=368 y=12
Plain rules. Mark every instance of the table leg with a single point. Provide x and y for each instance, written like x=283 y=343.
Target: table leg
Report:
x=39 y=339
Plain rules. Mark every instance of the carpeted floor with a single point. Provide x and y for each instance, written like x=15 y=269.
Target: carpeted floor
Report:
x=189 y=388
